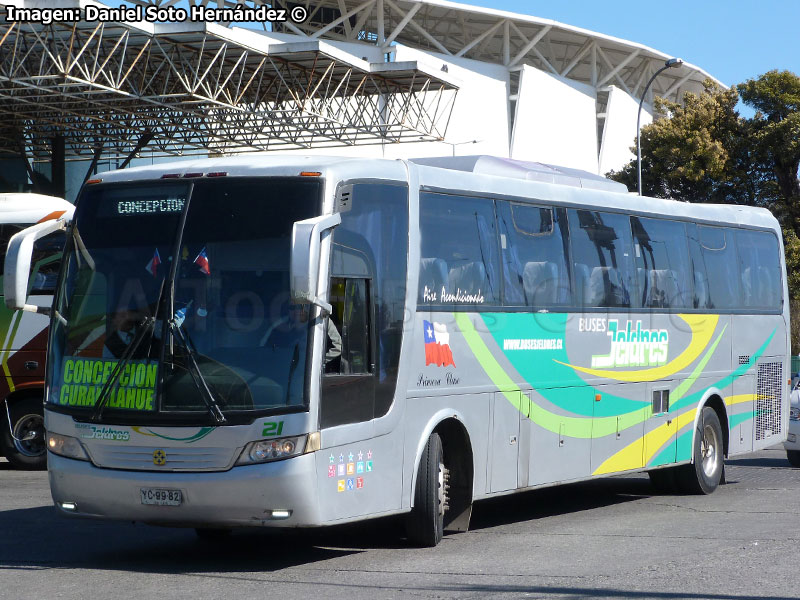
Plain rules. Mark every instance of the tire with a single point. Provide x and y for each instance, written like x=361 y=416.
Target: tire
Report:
x=425 y=522
x=706 y=471
x=28 y=451
x=794 y=457
x=207 y=534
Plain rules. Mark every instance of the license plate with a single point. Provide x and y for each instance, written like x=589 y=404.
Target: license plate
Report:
x=161 y=497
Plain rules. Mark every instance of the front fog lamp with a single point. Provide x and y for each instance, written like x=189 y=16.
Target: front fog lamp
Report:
x=64 y=445
x=268 y=450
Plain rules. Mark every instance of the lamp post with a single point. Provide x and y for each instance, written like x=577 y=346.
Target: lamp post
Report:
x=672 y=63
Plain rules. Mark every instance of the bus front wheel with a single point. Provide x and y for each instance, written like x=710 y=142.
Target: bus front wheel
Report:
x=705 y=473
x=23 y=438
x=794 y=457
x=425 y=522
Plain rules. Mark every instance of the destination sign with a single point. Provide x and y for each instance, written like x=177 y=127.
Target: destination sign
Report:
x=150 y=207
x=82 y=381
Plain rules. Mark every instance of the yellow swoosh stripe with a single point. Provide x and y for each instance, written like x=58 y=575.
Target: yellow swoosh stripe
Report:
x=7 y=350
x=739 y=398
x=702 y=327
x=630 y=457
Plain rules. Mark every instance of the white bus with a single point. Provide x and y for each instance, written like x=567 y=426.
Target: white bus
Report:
x=297 y=342
x=24 y=335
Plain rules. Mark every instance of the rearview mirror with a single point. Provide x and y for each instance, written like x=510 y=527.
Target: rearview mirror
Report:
x=304 y=266
x=18 y=265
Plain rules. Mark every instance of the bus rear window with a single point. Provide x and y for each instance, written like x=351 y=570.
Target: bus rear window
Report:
x=759 y=266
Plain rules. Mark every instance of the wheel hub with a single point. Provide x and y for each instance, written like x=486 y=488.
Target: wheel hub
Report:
x=443 y=481
x=709 y=450
x=29 y=435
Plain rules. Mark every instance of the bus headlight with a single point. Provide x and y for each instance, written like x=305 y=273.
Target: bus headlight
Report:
x=794 y=413
x=64 y=445
x=267 y=450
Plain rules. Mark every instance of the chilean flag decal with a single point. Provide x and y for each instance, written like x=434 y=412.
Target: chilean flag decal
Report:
x=202 y=262
x=152 y=266
x=437 y=344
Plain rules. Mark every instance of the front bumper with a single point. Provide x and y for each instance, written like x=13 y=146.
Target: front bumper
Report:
x=240 y=497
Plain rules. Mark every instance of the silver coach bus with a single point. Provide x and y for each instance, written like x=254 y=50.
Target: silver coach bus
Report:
x=295 y=342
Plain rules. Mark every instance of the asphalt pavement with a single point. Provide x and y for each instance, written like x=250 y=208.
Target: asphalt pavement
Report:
x=611 y=538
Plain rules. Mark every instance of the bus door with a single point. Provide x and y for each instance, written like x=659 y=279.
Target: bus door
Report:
x=617 y=428
x=504 y=447
x=349 y=381
x=560 y=443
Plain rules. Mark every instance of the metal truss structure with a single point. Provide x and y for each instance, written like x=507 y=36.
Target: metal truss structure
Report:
x=119 y=89
x=487 y=35
x=500 y=38
x=492 y=36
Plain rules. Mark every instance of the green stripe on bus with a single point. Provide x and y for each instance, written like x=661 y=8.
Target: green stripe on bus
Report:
x=576 y=427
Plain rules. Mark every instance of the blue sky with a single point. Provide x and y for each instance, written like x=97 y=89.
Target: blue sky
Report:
x=732 y=40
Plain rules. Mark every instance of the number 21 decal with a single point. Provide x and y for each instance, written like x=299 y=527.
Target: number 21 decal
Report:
x=272 y=428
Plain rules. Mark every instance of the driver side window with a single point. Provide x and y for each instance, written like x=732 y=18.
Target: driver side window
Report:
x=347 y=348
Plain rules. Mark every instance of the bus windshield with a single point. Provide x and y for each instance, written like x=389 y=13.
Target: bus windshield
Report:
x=151 y=341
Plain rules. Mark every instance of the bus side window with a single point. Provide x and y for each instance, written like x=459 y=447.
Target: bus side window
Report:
x=368 y=269
x=534 y=243
x=715 y=267
x=602 y=253
x=347 y=343
x=662 y=263
x=459 y=254
x=46 y=262
x=760 y=269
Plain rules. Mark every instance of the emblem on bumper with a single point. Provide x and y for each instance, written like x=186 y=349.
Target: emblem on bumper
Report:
x=159 y=458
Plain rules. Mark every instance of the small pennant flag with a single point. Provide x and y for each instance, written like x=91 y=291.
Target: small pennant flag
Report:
x=202 y=262
x=152 y=266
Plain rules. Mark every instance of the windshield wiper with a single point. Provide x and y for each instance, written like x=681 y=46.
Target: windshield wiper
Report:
x=194 y=371
x=105 y=392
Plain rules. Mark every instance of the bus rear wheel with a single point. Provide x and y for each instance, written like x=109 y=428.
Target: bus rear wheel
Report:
x=705 y=473
x=425 y=522
x=23 y=439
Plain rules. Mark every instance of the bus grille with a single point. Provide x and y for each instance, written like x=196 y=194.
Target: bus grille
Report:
x=144 y=458
x=768 y=400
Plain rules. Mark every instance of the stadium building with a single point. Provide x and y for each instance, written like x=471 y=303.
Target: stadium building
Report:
x=391 y=78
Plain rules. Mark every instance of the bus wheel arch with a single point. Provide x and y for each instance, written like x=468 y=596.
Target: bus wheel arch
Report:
x=709 y=448
x=441 y=491
x=458 y=460
x=715 y=401
x=26 y=411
